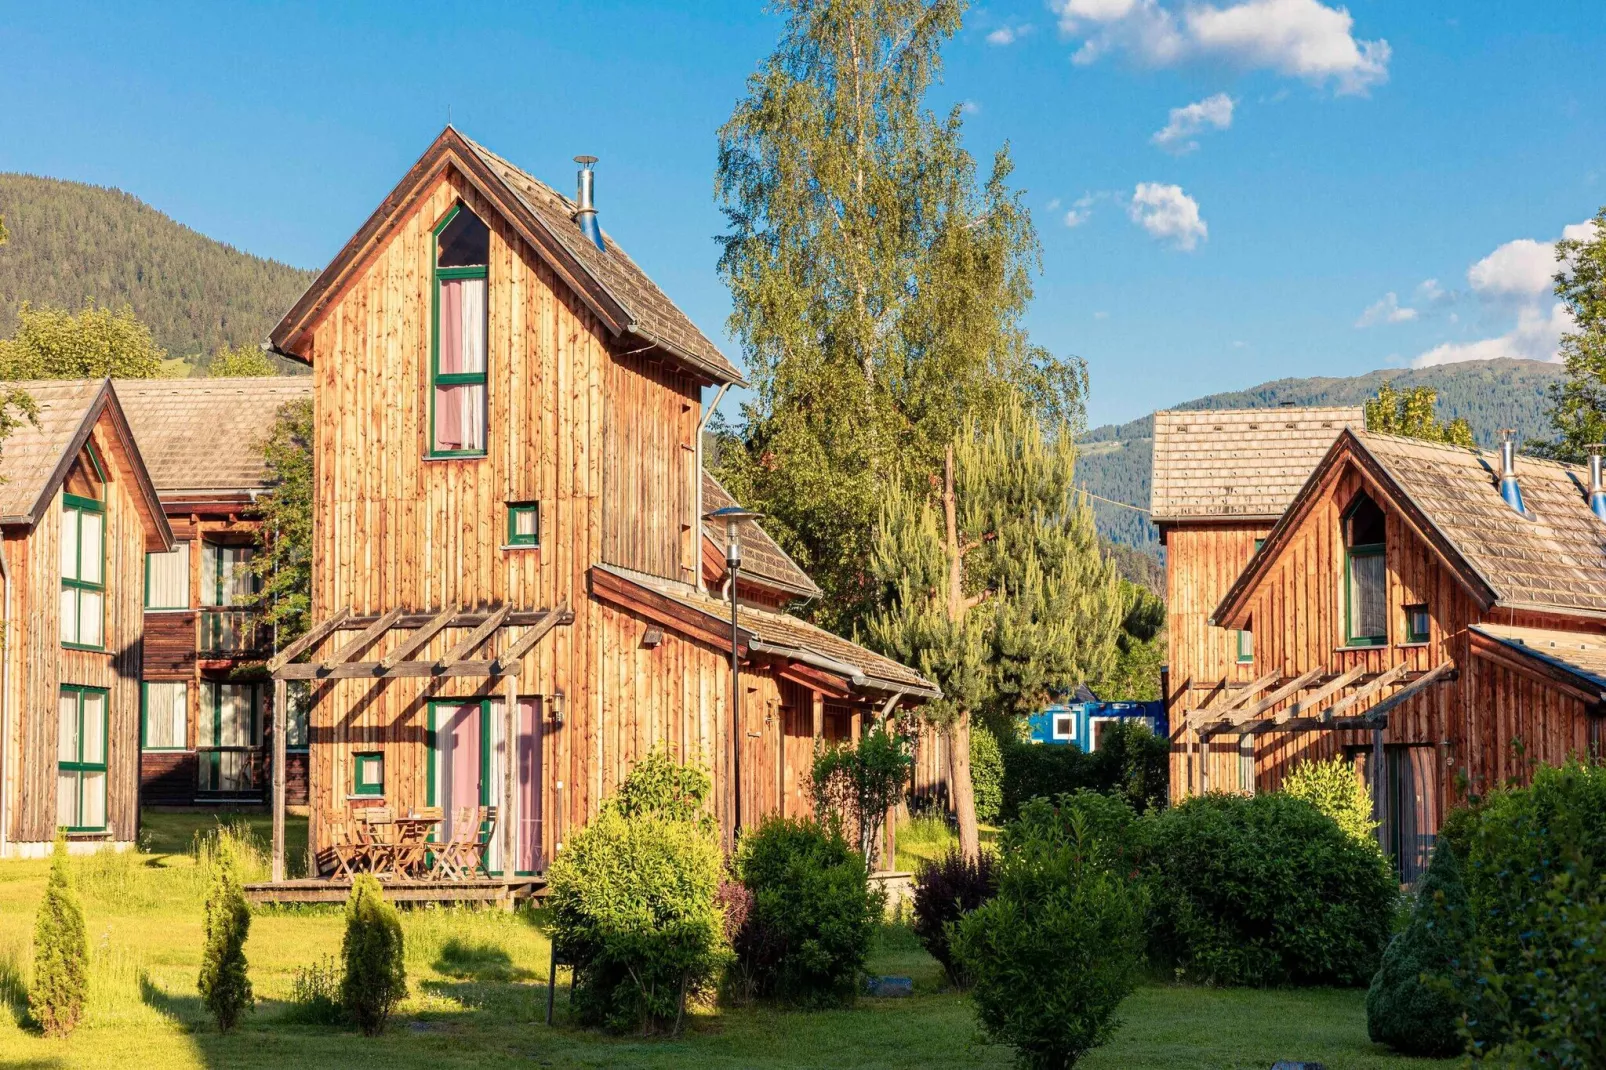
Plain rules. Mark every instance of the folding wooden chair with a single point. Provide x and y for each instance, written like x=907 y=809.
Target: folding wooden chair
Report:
x=378 y=849
x=345 y=847
x=455 y=857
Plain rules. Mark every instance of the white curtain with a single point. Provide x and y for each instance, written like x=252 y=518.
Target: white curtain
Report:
x=166 y=707
x=167 y=584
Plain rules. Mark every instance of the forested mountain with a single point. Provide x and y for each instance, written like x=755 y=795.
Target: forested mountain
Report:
x=71 y=241
x=1491 y=394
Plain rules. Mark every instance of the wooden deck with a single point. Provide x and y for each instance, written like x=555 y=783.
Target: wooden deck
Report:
x=506 y=893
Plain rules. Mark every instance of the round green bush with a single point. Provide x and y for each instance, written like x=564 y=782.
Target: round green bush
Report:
x=986 y=773
x=633 y=899
x=813 y=916
x=1410 y=1006
x=1055 y=951
x=1263 y=890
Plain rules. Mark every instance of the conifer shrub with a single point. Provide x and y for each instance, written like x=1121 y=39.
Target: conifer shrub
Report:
x=813 y=915
x=945 y=891
x=224 y=984
x=1410 y=1006
x=1333 y=788
x=986 y=773
x=635 y=901
x=372 y=954
x=60 y=952
x=1263 y=890
x=1055 y=951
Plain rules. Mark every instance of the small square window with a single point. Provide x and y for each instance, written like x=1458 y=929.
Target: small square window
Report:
x=368 y=777
x=524 y=524
x=1416 y=624
x=1064 y=728
x=1246 y=647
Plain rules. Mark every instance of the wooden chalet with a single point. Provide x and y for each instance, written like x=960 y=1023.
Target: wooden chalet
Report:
x=509 y=556
x=1221 y=479
x=78 y=514
x=206 y=700
x=1405 y=612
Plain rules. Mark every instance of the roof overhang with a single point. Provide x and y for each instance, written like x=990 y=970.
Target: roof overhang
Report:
x=1543 y=656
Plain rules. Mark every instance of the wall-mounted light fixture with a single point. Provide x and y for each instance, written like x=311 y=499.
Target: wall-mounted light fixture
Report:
x=556 y=700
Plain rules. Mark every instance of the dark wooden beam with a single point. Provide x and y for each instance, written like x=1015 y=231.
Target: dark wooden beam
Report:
x=1378 y=714
x=312 y=638
x=364 y=640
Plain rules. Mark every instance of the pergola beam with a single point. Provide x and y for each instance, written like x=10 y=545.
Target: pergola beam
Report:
x=1378 y=683
x=418 y=639
x=1327 y=690
x=365 y=638
x=1375 y=716
x=313 y=637
x=531 y=636
x=400 y=663
x=474 y=640
x=1249 y=713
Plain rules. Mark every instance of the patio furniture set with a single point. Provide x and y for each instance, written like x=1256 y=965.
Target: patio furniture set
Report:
x=411 y=846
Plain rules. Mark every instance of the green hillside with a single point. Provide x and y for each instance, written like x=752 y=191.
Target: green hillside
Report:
x=1491 y=394
x=71 y=241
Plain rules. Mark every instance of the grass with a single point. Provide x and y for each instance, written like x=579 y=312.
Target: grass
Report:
x=928 y=838
x=478 y=997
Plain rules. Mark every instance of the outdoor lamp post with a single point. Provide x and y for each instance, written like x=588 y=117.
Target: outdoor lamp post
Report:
x=733 y=515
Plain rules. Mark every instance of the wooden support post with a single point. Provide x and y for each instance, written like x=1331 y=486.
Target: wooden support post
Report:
x=819 y=715
x=510 y=721
x=1379 y=788
x=281 y=715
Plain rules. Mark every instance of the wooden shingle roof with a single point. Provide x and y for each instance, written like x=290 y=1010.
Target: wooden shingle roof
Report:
x=762 y=558
x=200 y=435
x=1242 y=464
x=1582 y=654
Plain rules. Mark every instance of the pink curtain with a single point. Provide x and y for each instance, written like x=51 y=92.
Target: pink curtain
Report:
x=457 y=775
x=529 y=785
x=460 y=409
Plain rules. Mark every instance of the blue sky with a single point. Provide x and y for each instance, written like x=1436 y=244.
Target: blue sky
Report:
x=1343 y=154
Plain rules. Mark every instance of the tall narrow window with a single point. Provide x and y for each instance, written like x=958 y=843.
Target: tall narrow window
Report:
x=1365 y=575
x=457 y=388
x=83 y=571
x=298 y=695
x=1246 y=647
x=81 y=759
x=167 y=578
x=167 y=704
x=226 y=576
x=229 y=732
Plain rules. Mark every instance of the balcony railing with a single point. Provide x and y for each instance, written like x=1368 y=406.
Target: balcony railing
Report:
x=230 y=632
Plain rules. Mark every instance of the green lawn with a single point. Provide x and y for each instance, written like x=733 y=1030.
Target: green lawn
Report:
x=478 y=997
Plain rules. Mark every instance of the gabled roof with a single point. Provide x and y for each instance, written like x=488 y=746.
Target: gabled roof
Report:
x=763 y=560
x=1581 y=655
x=610 y=283
x=768 y=631
x=1238 y=464
x=1552 y=560
x=206 y=435
x=35 y=458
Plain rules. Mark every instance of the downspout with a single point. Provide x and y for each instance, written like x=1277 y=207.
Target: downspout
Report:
x=697 y=492
x=5 y=708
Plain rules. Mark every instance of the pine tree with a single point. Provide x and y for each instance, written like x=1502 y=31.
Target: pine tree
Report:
x=1578 y=410
x=1412 y=414
x=878 y=288
x=224 y=985
x=995 y=585
x=60 y=952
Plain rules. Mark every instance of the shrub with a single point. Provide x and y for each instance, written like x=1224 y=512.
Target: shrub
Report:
x=986 y=773
x=1264 y=890
x=856 y=784
x=1532 y=977
x=634 y=898
x=1039 y=771
x=1333 y=788
x=1052 y=955
x=225 y=988
x=315 y=993
x=373 y=956
x=813 y=915
x=945 y=891
x=60 y=952
x=1409 y=1006
x=1131 y=762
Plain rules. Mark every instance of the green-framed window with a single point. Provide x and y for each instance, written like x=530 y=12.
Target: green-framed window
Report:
x=83 y=572
x=226 y=576
x=228 y=735
x=1365 y=574
x=368 y=773
x=459 y=322
x=1246 y=766
x=1246 y=647
x=82 y=723
x=298 y=695
x=524 y=524
x=164 y=707
x=167 y=578
x=1416 y=623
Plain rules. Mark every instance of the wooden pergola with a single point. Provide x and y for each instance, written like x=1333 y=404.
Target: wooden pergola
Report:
x=1242 y=713
x=485 y=628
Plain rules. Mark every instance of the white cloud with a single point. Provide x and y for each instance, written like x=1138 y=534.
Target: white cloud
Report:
x=1009 y=33
x=1386 y=310
x=1185 y=122
x=1520 y=268
x=1075 y=217
x=1431 y=292
x=1535 y=337
x=1081 y=209
x=1299 y=38
x=969 y=107
x=1168 y=214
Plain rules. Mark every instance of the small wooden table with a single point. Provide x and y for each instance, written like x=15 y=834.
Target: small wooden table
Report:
x=410 y=843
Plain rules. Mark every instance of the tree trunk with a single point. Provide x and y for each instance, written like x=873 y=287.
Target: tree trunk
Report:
x=958 y=732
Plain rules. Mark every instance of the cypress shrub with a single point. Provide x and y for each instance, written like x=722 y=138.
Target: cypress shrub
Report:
x=1410 y=1006
x=945 y=891
x=1264 y=890
x=986 y=773
x=60 y=952
x=225 y=987
x=813 y=916
x=1055 y=951
x=1333 y=788
x=372 y=954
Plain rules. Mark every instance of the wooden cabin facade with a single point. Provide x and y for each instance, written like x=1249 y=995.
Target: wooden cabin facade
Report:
x=1221 y=479
x=1406 y=616
x=206 y=699
x=507 y=538
x=78 y=514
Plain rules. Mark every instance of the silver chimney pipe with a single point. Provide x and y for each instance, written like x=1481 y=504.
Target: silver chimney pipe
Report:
x=1510 y=490
x=585 y=213
x=1597 y=490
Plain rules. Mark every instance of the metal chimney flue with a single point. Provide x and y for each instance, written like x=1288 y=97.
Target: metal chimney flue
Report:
x=1597 y=492
x=585 y=214
x=1510 y=489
